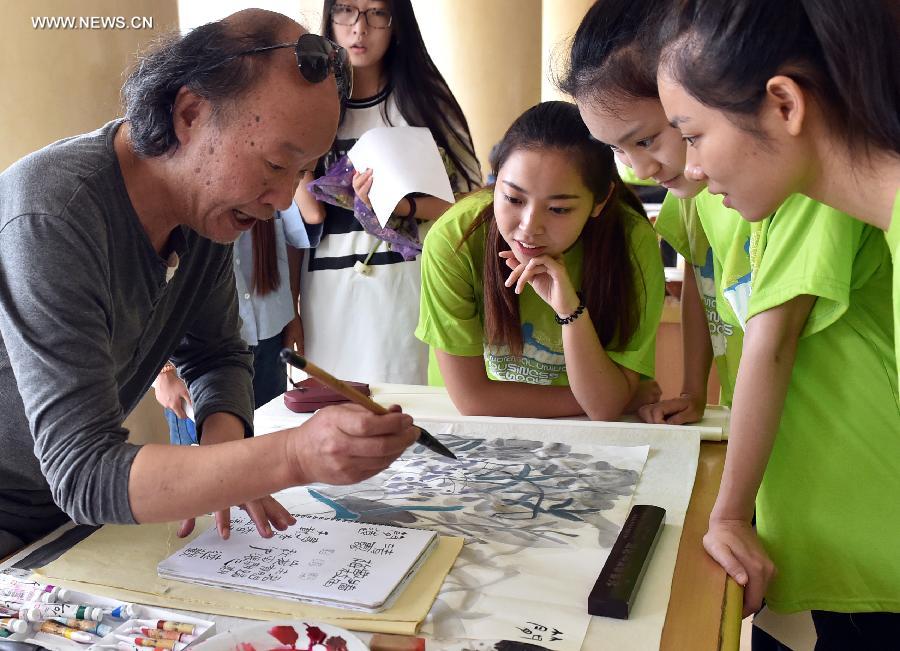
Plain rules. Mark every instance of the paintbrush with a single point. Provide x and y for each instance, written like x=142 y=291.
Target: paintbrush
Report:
x=290 y=357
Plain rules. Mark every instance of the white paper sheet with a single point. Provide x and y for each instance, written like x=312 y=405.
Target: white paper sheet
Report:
x=403 y=160
x=433 y=403
x=526 y=508
x=319 y=560
x=666 y=481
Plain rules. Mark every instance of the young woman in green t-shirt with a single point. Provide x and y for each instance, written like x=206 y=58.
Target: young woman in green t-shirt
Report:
x=776 y=97
x=550 y=281
x=611 y=73
x=780 y=97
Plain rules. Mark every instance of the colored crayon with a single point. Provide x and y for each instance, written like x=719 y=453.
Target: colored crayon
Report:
x=54 y=628
x=122 y=645
x=159 y=634
x=168 y=625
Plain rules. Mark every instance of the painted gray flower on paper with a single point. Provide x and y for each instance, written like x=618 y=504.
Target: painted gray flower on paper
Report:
x=539 y=519
x=509 y=491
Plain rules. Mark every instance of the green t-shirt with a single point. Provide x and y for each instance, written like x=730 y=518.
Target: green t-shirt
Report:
x=680 y=225
x=893 y=239
x=627 y=174
x=451 y=315
x=828 y=511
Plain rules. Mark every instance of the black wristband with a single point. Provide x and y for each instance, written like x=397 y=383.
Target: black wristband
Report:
x=577 y=313
x=412 y=207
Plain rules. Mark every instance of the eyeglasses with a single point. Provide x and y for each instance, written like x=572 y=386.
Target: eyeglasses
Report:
x=316 y=57
x=347 y=15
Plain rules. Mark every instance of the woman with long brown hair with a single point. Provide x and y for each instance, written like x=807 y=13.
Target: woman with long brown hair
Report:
x=360 y=295
x=550 y=282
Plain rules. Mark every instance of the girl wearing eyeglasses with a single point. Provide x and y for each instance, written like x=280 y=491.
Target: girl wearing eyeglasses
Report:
x=357 y=325
x=542 y=295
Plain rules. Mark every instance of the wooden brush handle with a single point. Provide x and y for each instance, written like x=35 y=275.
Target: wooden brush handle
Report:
x=344 y=389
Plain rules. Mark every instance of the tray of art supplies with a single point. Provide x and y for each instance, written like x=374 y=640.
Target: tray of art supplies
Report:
x=64 y=620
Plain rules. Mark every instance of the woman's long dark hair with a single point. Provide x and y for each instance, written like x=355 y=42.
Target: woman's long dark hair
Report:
x=614 y=53
x=265 y=257
x=846 y=53
x=421 y=93
x=608 y=270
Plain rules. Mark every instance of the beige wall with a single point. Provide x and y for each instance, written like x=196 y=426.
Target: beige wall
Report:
x=192 y=13
x=60 y=82
x=559 y=20
x=496 y=55
x=489 y=52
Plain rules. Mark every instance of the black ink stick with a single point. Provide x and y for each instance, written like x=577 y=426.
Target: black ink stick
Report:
x=616 y=587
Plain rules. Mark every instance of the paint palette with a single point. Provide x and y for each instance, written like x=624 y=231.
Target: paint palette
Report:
x=118 y=626
x=294 y=635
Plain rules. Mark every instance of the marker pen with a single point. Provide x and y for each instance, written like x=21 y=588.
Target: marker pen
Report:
x=14 y=625
x=87 y=625
x=69 y=633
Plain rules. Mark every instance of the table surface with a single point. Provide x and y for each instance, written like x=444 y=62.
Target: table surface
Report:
x=704 y=609
x=697 y=605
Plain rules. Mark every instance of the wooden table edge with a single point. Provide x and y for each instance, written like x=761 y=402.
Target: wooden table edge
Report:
x=702 y=613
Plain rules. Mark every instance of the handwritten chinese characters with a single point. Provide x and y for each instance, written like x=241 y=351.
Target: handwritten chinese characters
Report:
x=334 y=562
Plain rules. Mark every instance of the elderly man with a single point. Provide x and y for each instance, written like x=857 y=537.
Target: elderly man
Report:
x=115 y=256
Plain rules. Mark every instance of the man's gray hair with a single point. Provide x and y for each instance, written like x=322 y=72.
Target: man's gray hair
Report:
x=204 y=61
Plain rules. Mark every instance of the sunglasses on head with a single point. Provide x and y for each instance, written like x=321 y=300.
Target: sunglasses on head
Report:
x=316 y=57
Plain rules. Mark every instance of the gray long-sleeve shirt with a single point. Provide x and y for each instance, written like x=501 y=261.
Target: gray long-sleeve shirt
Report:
x=87 y=319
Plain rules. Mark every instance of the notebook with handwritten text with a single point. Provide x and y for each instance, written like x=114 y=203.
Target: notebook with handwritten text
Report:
x=339 y=563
